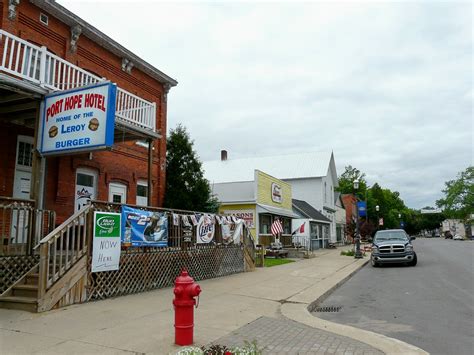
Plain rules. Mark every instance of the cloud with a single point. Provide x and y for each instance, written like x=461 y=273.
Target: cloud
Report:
x=386 y=85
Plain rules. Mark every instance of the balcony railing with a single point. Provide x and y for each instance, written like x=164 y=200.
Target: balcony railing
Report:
x=36 y=65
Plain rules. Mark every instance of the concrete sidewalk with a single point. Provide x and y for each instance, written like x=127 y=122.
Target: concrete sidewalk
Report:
x=143 y=323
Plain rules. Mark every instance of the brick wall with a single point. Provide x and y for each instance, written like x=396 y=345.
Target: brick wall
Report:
x=127 y=162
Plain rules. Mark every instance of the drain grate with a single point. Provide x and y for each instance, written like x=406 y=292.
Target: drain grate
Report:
x=328 y=309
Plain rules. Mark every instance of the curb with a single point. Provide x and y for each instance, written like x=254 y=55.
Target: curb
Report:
x=301 y=312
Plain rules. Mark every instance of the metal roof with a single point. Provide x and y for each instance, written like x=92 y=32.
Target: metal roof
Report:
x=309 y=211
x=290 y=166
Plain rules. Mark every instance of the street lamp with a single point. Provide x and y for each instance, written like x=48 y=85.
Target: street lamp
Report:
x=358 y=254
x=377 y=208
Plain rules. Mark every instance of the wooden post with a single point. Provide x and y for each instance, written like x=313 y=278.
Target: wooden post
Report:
x=150 y=165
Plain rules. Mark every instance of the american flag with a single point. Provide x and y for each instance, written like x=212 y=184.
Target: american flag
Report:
x=277 y=227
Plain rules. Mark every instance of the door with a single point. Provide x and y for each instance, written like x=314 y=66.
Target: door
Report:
x=117 y=192
x=21 y=189
x=86 y=187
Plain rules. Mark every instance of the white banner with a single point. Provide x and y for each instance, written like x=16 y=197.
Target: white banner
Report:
x=205 y=230
x=106 y=241
x=231 y=233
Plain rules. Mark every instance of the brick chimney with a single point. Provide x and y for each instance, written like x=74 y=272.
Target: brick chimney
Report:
x=223 y=155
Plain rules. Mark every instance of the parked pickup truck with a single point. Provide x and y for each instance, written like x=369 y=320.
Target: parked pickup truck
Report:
x=392 y=246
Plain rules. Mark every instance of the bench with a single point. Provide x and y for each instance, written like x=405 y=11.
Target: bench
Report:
x=277 y=253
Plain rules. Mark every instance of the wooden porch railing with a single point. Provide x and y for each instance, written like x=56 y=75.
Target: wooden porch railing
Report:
x=35 y=64
x=61 y=249
x=22 y=226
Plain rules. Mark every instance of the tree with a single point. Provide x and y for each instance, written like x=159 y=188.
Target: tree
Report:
x=458 y=201
x=346 y=182
x=186 y=187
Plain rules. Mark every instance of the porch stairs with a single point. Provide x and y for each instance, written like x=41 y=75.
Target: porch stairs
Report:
x=23 y=295
x=59 y=279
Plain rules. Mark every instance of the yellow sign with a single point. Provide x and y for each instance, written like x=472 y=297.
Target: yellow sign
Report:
x=272 y=191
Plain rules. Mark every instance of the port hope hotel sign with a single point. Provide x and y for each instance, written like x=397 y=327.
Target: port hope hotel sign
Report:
x=78 y=120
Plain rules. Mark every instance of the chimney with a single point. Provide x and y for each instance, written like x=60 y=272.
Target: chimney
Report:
x=223 y=155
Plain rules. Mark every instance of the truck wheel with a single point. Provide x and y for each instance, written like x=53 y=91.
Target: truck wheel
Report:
x=373 y=262
x=414 y=261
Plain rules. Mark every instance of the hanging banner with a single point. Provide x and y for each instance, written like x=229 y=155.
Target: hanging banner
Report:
x=145 y=228
x=362 y=207
x=205 y=230
x=231 y=233
x=175 y=219
x=78 y=120
x=106 y=241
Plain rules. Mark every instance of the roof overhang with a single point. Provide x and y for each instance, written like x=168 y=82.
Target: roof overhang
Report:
x=277 y=211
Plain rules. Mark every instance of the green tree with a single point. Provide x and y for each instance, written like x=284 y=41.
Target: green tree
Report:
x=458 y=200
x=186 y=187
x=346 y=182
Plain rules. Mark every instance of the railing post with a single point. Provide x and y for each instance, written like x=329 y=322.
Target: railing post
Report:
x=42 y=77
x=153 y=117
x=43 y=270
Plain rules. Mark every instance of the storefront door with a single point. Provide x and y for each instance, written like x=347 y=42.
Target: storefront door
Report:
x=21 y=189
x=86 y=187
x=117 y=193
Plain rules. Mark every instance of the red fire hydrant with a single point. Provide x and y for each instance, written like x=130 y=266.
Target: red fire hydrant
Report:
x=185 y=289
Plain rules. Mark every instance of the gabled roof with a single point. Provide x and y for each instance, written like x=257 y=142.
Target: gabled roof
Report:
x=309 y=211
x=290 y=166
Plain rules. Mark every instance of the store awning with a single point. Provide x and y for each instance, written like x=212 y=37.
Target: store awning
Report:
x=276 y=210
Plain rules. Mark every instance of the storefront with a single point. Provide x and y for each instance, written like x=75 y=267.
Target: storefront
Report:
x=259 y=203
x=47 y=56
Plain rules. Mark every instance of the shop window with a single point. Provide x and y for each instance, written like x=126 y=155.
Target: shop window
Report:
x=286 y=225
x=142 y=193
x=265 y=223
x=85 y=180
x=313 y=230
x=25 y=154
x=326 y=232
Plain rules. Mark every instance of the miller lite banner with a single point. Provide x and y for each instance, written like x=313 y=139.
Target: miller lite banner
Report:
x=205 y=230
x=78 y=120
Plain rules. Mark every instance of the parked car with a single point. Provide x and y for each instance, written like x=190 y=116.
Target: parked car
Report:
x=393 y=246
x=458 y=237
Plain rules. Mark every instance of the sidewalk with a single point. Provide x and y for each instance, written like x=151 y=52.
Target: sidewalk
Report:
x=143 y=323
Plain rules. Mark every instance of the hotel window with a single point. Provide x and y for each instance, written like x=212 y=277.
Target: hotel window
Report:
x=265 y=223
x=142 y=193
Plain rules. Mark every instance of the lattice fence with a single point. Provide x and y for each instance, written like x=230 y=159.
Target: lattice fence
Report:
x=12 y=268
x=143 y=271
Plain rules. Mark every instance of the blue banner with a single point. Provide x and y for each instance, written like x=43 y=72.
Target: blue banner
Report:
x=362 y=208
x=144 y=228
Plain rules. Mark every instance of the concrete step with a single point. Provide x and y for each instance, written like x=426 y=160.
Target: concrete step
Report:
x=29 y=304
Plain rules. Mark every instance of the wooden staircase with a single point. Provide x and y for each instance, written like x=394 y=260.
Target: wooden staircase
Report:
x=59 y=279
x=23 y=295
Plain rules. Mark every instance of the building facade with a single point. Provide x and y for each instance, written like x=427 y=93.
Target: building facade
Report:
x=312 y=176
x=45 y=49
x=258 y=202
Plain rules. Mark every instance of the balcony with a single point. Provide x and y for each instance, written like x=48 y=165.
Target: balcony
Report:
x=134 y=117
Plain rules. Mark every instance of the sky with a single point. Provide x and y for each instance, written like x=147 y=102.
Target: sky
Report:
x=387 y=86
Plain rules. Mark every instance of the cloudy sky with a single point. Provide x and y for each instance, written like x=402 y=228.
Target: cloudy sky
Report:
x=387 y=86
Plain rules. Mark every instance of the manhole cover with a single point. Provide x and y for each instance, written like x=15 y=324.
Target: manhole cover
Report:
x=328 y=309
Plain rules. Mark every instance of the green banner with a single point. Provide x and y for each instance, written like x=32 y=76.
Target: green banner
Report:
x=107 y=225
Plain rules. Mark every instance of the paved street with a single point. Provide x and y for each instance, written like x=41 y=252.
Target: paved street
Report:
x=430 y=305
x=284 y=336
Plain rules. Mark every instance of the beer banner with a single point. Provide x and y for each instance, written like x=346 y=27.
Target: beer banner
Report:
x=194 y=219
x=175 y=219
x=231 y=233
x=144 y=228
x=205 y=230
x=185 y=220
